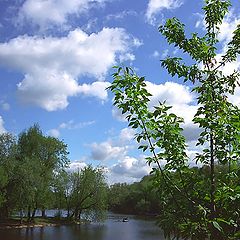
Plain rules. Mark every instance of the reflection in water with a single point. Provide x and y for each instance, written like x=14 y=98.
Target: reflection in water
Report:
x=112 y=228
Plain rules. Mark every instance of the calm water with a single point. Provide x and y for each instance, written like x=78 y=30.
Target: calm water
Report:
x=112 y=229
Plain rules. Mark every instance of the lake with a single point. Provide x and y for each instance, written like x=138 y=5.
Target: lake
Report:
x=112 y=229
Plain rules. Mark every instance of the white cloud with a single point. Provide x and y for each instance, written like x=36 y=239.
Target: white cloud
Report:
x=137 y=42
x=200 y=23
x=4 y=105
x=126 y=135
x=76 y=165
x=47 y=89
x=115 y=148
x=156 y=6
x=176 y=95
x=235 y=99
x=96 y=89
x=171 y=92
x=165 y=53
x=2 y=129
x=121 y=15
x=181 y=99
x=156 y=54
x=117 y=114
x=128 y=169
x=70 y=125
x=106 y=151
x=127 y=57
x=51 y=12
x=227 y=28
x=52 y=66
x=54 y=133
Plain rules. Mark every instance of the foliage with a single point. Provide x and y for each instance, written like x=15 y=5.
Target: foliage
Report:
x=88 y=193
x=41 y=157
x=193 y=206
x=33 y=175
x=27 y=168
x=8 y=151
x=136 y=198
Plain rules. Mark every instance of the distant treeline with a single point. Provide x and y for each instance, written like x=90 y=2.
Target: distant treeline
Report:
x=136 y=198
x=147 y=196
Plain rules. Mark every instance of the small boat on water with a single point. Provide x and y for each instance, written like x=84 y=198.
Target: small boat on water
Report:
x=125 y=219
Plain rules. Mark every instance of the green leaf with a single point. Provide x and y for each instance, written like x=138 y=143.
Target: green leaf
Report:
x=217 y=226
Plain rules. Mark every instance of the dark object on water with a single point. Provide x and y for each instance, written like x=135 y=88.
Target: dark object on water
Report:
x=125 y=219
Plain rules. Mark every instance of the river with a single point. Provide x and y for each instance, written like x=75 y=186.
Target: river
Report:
x=112 y=229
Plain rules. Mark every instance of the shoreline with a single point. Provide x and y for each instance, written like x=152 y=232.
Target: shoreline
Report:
x=13 y=223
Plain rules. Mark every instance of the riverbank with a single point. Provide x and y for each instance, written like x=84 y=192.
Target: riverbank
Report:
x=37 y=222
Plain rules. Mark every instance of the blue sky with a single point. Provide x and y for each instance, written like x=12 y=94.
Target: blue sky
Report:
x=56 y=59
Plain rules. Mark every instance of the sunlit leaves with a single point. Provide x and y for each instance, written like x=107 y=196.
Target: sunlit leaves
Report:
x=159 y=128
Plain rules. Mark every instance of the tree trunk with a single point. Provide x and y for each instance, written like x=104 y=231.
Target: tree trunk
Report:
x=29 y=214
x=212 y=189
x=79 y=214
x=33 y=213
x=21 y=216
x=4 y=213
x=44 y=213
x=76 y=213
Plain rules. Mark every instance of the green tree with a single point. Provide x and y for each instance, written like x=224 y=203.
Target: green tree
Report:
x=8 y=179
x=136 y=198
x=40 y=157
x=62 y=190
x=195 y=207
x=120 y=198
x=88 y=193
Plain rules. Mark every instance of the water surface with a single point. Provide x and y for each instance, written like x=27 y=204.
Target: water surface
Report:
x=112 y=229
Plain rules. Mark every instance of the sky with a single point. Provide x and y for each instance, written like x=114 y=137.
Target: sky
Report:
x=56 y=59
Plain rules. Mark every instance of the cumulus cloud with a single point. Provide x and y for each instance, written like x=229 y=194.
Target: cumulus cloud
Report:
x=76 y=165
x=171 y=92
x=176 y=95
x=156 y=6
x=2 y=129
x=126 y=135
x=96 y=89
x=181 y=99
x=120 y=166
x=227 y=28
x=235 y=99
x=127 y=57
x=117 y=114
x=51 y=12
x=107 y=151
x=52 y=66
x=229 y=24
x=54 y=133
x=128 y=169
